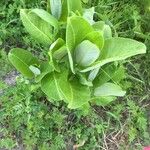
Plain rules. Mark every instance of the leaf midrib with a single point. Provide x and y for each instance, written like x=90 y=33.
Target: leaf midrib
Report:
x=57 y=87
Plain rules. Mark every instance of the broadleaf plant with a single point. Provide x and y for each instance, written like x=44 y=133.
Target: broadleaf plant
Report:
x=83 y=64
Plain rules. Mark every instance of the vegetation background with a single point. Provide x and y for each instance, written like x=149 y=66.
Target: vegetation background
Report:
x=29 y=121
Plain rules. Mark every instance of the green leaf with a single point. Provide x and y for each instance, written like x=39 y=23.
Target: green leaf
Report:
x=57 y=87
x=53 y=62
x=109 y=89
x=45 y=68
x=103 y=100
x=60 y=53
x=119 y=74
x=104 y=28
x=56 y=8
x=39 y=24
x=74 y=6
x=116 y=49
x=112 y=72
x=44 y=15
x=80 y=95
x=64 y=13
x=56 y=47
x=96 y=37
x=69 y=7
x=22 y=60
x=57 y=44
x=50 y=86
x=77 y=29
x=86 y=53
x=106 y=74
x=93 y=73
x=83 y=79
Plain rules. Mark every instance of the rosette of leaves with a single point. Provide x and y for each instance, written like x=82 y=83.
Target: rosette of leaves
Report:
x=81 y=67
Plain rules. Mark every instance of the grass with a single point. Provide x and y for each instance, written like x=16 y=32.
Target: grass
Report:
x=28 y=119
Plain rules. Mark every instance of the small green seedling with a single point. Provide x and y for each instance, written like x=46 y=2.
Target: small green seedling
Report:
x=82 y=54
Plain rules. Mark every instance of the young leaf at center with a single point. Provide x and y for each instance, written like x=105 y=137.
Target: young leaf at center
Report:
x=77 y=29
x=86 y=53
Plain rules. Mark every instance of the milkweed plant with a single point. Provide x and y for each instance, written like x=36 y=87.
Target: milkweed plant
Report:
x=83 y=65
